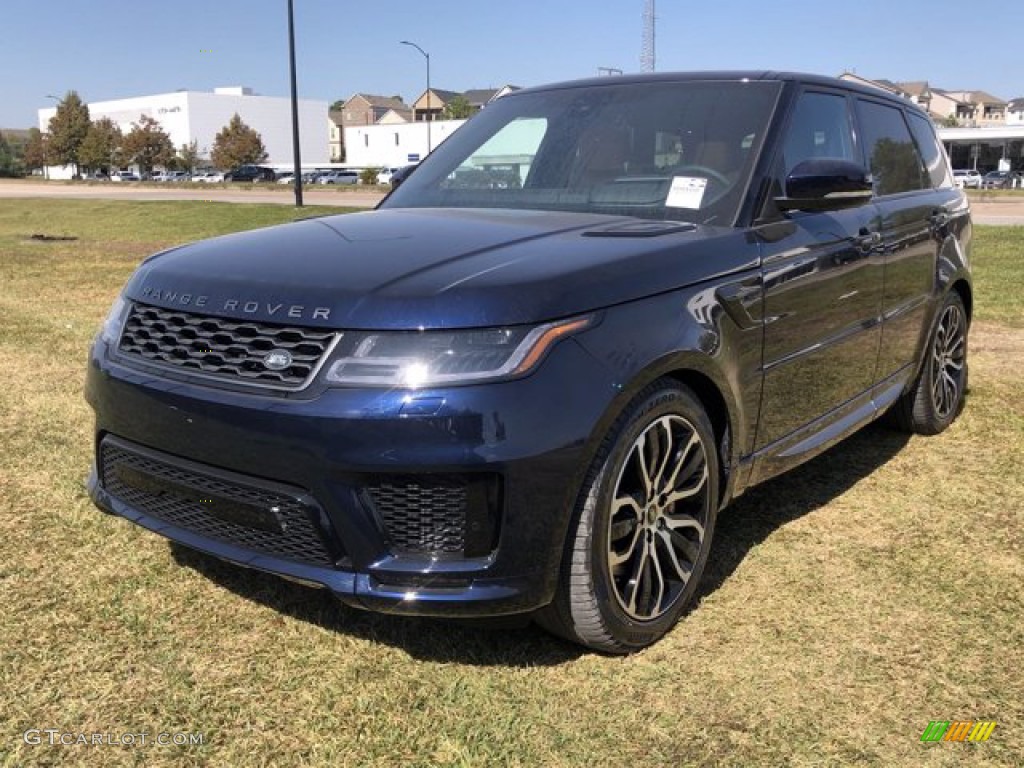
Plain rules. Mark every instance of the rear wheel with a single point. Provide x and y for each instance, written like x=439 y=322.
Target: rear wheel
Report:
x=642 y=529
x=937 y=396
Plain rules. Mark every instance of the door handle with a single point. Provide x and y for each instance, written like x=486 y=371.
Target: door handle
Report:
x=868 y=241
x=939 y=218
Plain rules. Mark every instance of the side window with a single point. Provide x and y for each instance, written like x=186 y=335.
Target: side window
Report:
x=820 y=128
x=934 y=156
x=895 y=162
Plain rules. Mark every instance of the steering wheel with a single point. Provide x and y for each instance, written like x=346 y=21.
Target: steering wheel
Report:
x=704 y=171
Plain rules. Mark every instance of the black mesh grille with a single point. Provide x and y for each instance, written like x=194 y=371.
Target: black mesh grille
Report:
x=216 y=347
x=218 y=505
x=422 y=516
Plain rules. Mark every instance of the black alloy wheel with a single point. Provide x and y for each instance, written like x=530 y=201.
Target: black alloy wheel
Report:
x=937 y=397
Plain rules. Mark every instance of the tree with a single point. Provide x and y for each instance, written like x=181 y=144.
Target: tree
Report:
x=147 y=144
x=337 y=105
x=237 y=144
x=101 y=146
x=188 y=156
x=10 y=164
x=458 y=108
x=68 y=129
x=369 y=176
x=35 y=149
x=950 y=121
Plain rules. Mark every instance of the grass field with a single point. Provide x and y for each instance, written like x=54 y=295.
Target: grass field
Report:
x=848 y=603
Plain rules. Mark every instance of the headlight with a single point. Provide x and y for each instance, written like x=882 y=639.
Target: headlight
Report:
x=110 y=331
x=414 y=359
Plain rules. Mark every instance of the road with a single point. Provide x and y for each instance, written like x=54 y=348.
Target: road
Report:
x=995 y=209
x=270 y=193
x=999 y=211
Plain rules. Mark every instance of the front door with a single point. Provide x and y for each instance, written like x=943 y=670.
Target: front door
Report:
x=822 y=277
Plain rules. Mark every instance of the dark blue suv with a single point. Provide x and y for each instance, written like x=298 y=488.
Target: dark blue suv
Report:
x=529 y=381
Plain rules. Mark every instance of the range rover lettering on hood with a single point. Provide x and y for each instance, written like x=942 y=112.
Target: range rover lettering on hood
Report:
x=200 y=301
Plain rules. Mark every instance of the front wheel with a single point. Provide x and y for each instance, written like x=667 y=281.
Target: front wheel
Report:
x=642 y=529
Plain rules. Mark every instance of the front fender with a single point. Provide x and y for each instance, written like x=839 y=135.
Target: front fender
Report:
x=688 y=335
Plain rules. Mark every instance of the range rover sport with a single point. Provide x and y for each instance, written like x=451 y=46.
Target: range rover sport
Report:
x=533 y=376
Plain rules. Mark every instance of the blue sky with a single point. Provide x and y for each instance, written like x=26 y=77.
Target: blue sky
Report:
x=109 y=49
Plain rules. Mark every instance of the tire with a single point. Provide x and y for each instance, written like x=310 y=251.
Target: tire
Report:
x=937 y=397
x=634 y=554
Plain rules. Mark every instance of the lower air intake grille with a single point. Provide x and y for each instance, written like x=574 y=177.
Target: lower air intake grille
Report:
x=422 y=516
x=216 y=504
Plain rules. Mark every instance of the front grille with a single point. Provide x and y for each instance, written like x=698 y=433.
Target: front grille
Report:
x=219 y=348
x=220 y=505
x=421 y=515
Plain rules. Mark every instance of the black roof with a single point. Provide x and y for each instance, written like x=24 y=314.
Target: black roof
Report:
x=727 y=75
x=731 y=75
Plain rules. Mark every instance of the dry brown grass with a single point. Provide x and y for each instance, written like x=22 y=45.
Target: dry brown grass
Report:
x=849 y=602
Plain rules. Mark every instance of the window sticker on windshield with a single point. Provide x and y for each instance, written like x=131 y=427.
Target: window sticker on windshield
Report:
x=686 y=192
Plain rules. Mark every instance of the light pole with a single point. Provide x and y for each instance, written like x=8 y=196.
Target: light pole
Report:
x=429 y=116
x=297 y=158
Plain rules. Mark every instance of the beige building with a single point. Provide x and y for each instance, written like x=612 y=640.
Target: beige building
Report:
x=1015 y=111
x=431 y=105
x=396 y=117
x=980 y=131
x=982 y=110
x=969 y=109
x=367 y=109
x=337 y=135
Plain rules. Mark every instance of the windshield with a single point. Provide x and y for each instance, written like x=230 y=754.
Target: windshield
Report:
x=680 y=151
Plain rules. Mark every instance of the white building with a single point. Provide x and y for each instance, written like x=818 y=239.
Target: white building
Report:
x=199 y=116
x=394 y=145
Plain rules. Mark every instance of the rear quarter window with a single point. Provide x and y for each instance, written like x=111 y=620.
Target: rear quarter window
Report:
x=935 y=162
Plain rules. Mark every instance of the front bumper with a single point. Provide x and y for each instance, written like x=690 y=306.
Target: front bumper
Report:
x=519 y=449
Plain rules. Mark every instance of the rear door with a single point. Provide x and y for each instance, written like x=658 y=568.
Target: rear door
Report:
x=822 y=275
x=915 y=197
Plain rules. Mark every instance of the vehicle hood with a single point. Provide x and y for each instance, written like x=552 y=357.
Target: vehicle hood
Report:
x=437 y=268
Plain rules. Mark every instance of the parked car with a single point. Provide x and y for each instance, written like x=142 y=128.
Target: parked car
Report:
x=996 y=180
x=250 y=173
x=286 y=178
x=400 y=175
x=339 y=177
x=384 y=174
x=208 y=177
x=537 y=398
x=165 y=176
x=967 y=179
x=124 y=176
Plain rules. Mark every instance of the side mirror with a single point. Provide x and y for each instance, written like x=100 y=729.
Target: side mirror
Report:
x=825 y=184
